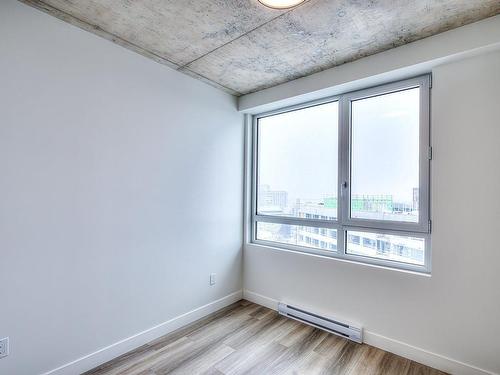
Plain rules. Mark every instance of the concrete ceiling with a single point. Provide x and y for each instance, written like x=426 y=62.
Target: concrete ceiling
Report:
x=242 y=46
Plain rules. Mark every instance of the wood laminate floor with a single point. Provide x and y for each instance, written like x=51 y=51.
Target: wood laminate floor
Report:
x=246 y=338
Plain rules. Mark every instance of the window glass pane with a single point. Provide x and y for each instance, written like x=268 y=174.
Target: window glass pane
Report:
x=385 y=157
x=386 y=246
x=317 y=238
x=298 y=163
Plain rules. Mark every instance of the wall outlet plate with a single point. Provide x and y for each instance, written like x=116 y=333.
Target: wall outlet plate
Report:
x=212 y=279
x=4 y=347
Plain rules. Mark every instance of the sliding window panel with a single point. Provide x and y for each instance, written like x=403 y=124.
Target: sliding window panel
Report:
x=297 y=163
x=388 y=162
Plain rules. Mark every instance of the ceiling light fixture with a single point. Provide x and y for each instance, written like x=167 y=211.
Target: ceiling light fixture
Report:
x=281 y=4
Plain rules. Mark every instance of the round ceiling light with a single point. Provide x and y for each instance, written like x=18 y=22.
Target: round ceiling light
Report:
x=281 y=4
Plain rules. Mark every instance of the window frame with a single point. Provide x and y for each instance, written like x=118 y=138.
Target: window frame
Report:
x=344 y=222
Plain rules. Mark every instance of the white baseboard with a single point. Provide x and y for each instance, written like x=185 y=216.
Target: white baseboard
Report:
x=106 y=354
x=440 y=362
x=402 y=349
x=259 y=299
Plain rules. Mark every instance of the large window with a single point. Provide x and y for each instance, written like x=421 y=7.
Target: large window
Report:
x=298 y=161
x=347 y=177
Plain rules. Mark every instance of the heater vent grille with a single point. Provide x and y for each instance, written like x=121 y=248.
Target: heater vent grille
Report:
x=330 y=325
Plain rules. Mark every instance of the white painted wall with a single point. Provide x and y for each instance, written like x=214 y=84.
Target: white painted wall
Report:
x=455 y=313
x=120 y=191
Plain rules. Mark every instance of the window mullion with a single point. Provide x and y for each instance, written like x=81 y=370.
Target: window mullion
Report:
x=343 y=183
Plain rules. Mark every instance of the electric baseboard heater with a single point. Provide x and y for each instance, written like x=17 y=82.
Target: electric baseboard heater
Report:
x=330 y=325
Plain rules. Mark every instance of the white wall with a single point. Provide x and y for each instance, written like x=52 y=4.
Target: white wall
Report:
x=455 y=313
x=120 y=191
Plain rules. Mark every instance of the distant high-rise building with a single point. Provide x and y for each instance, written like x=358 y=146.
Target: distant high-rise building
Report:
x=272 y=198
x=363 y=243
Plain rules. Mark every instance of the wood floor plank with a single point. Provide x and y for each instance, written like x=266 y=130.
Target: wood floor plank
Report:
x=419 y=369
x=221 y=328
x=330 y=344
x=393 y=364
x=309 y=364
x=121 y=361
x=260 y=312
x=212 y=371
x=344 y=359
x=164 y=355
x=235 y=308
x=296 y=334
x=202 y=363
x=255 y=330
x=249 y=339
x=254 y=362
x=295 y=352
x=368 y=361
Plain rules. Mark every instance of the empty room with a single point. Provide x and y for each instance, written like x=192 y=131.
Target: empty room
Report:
x=267 y=187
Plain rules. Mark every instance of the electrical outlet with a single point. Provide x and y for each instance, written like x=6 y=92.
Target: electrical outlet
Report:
x=4 y=347
x=212 y=279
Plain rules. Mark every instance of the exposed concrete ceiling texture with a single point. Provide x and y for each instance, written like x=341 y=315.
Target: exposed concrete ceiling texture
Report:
x=242 y=46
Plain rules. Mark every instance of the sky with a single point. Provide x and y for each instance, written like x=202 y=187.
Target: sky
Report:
x=298 y=151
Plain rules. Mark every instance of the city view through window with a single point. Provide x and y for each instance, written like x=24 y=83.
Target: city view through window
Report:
x=298 y=175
